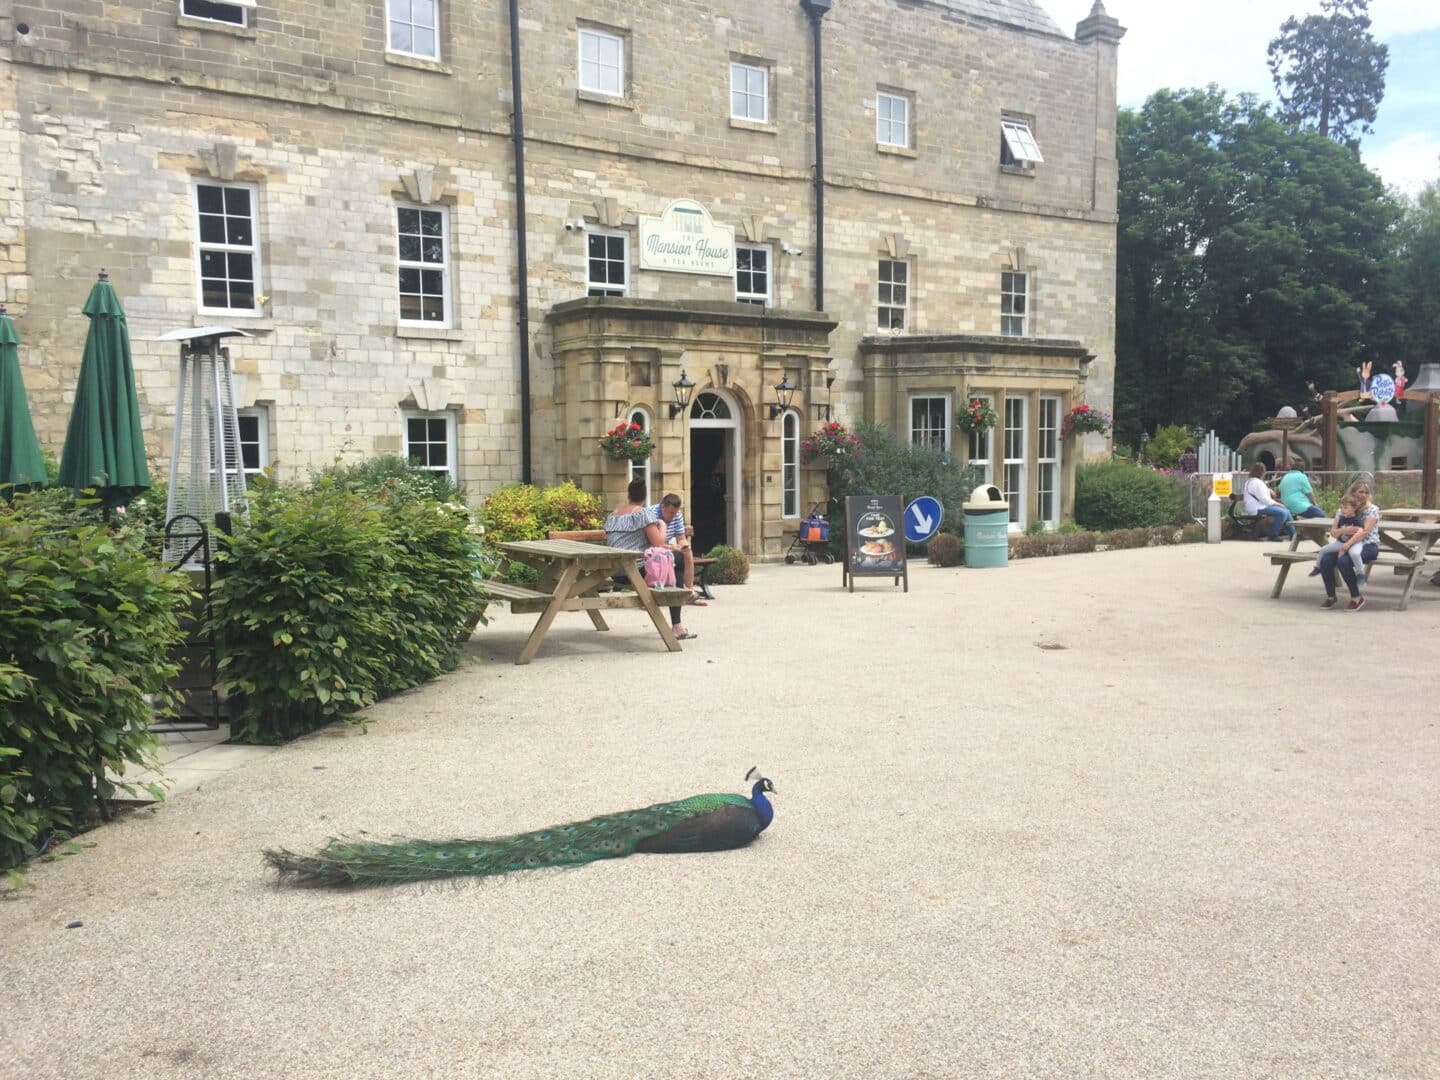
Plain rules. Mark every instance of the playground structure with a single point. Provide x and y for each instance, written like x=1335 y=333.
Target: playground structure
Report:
x=1335 y=439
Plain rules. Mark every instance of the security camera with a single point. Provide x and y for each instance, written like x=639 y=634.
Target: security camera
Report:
x=790 y=249
x=575 y=225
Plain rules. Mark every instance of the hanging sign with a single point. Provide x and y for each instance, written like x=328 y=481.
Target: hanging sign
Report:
x=874 y=539
x=685 y=241
x=1221 y=484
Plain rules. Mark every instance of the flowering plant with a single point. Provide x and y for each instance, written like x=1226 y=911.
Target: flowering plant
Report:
x=978 y=415
x=627 y=441
x=1083 y=418
x=832 y=444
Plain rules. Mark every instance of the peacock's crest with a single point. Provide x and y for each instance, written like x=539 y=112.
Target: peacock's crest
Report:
x=714 y=822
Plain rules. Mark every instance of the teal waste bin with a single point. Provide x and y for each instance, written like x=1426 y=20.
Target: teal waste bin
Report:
x=987 y=527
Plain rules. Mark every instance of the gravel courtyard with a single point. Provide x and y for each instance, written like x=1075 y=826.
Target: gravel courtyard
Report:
x=1112 y=815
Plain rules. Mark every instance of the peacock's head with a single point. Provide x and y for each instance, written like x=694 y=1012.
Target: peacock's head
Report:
x=762 y=784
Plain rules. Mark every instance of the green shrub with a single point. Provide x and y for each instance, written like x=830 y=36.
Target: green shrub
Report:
x=391 y=474
x=330 y=599
x=525 y=512
x=1051 y=543
x=1115 y=495
x=1169 y=443
x=88 y=625
x=732 y=566
x=944 y=549
x=889 y=466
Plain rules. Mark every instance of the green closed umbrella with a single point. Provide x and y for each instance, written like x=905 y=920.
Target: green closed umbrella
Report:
x=104 y=448
x=21 y=465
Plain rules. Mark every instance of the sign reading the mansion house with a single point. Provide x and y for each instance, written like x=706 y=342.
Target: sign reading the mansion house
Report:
x=685 y=240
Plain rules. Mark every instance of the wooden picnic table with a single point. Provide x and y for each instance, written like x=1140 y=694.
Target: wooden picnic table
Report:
x=1406 y=537
x=572 y=575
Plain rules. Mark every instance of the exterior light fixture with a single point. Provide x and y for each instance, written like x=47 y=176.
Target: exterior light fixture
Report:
x=784 y=392
x=683 y=388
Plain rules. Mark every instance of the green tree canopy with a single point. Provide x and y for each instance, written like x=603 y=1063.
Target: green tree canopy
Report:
x=1253 y=257
x=1418 y=281
x=1329 y=70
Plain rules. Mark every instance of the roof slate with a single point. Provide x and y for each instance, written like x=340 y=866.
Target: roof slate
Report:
x=1023 y=13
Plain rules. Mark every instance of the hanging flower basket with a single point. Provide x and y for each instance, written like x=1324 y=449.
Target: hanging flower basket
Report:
x=977 y=415
x=627 y=442
x=831 y=445
x=1083 y=419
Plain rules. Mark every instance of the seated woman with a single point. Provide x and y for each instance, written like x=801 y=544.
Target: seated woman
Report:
x=633 y=526
x=1261 y=501
x=1368 y=537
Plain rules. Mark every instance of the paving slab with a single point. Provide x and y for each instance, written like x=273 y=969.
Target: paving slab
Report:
x=1111 y=815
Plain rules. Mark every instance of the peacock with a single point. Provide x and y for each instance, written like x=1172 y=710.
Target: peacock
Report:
x=699 y=823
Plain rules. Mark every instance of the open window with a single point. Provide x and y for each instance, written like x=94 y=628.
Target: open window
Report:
x=1018 y=147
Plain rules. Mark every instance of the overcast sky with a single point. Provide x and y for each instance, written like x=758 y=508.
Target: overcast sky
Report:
x=1187 y=43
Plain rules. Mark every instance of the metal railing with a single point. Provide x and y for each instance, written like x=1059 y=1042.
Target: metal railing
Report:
x=1327 y=485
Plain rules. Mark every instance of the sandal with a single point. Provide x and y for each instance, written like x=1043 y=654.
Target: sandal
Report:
x=686 y=636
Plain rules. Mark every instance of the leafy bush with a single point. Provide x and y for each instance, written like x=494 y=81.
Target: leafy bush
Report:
x=329 y=599
x=1158 y=536
x=525 y=512
x=944 y=549
x=1169 y=443
x=732 y=566
x=391 y=474
x=888 y=466
x=89 y=622
x=1115 y=495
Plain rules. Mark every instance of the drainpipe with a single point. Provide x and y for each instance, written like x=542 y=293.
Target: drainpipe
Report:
x=522 y=275
x=817 y=9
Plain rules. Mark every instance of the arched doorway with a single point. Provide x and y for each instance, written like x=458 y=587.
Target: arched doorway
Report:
x=715 y=464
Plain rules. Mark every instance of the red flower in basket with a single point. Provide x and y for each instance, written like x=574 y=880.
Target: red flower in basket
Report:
x=627 y=442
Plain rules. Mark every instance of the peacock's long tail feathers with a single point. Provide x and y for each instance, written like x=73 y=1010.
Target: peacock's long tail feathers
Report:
x=346 y=861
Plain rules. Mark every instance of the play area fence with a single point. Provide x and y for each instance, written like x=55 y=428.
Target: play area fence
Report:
x=1328 y=486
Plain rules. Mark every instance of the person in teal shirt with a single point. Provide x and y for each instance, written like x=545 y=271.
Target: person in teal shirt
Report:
x=1297 y=495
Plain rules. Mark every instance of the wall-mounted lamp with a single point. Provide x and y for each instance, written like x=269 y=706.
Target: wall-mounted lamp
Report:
x=683 y=388
x=784 y=392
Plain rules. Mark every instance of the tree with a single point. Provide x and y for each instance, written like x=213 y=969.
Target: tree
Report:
x=1329 y=70
x=1418 y=281
x=1253 y=257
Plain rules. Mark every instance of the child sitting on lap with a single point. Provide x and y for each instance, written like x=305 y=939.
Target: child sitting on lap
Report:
x=1349 y=522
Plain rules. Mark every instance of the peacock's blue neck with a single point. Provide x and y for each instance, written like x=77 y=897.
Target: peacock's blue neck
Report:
x=763 y=809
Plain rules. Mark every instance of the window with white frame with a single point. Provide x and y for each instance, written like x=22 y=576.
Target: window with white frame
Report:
x=254 y=439
x=228 y=256
x=1017 y=144
x=422 y=237
x=608 y=257
x=790 y=464
x=1014 y=449
x=234 y=12
x=414 y=27
x=1014 y=297
x=430 y=442
x=749 y=93
x=640 y=470
x=892 y=120
x=930 y=422
x=982 y=447
x=1047 y=463
x=752 y=274
x=894 y=295
x=602 y=62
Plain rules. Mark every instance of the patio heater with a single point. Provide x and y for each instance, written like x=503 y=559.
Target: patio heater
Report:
x=207 y=476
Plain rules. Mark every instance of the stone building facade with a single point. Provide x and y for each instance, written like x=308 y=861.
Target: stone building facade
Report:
x=337 y=179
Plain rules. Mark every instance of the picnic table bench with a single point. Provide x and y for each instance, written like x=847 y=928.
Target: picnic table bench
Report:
x=578 y=577
x=1406 y=537
x=597 y=536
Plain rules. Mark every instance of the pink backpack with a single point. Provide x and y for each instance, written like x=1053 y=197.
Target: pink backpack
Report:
x=659 y=567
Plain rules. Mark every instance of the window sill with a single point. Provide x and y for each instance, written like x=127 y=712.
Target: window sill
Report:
x=1019 y=170
x=419 y=63
x=753 y=125
x=429 y=333
x=597 y=98
x=897 y=151
x=255 y=322
x=189 y=22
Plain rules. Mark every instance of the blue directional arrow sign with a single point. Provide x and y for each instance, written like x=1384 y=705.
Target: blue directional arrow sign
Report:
x=922 y=519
